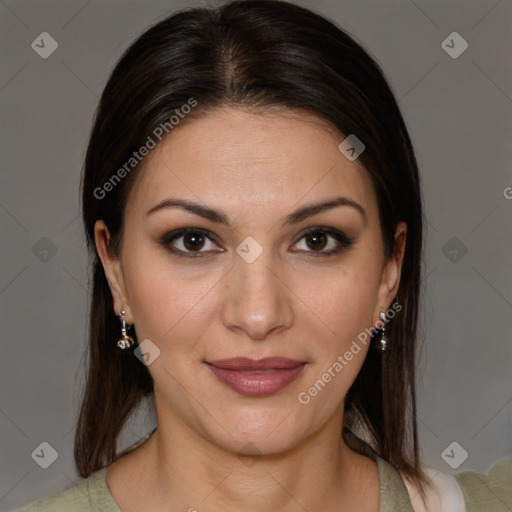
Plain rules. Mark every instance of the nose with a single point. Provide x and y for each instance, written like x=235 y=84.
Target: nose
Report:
x=257 y=302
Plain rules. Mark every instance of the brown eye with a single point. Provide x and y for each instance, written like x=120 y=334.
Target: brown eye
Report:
x=316 y=240
x=189 y=242
x=325 y=241
x=193 y=241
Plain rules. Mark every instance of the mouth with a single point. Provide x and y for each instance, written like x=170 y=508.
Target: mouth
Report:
x=254 y=378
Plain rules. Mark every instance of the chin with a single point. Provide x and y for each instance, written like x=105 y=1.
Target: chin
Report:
x=262 y=432
x=254 y=445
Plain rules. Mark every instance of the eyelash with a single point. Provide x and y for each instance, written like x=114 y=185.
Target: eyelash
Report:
x=343 y=240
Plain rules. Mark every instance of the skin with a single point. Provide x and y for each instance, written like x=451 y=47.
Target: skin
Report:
x=289 y=302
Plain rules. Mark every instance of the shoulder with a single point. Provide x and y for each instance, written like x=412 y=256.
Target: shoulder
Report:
x=491 y=491
x=466 y=492
x=91 y=493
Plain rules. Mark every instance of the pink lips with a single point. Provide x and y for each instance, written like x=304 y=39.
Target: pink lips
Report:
x=256 y=378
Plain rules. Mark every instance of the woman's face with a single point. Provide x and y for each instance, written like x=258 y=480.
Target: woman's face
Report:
x=247 y=281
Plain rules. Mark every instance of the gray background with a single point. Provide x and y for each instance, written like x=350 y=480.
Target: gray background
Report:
x=458 y=112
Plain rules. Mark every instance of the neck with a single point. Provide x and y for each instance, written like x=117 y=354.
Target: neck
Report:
x=190 y=472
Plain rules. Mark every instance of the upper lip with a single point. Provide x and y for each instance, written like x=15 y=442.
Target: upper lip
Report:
x=244 y=363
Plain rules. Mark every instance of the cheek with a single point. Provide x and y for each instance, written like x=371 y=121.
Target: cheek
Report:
x=347 y=308
x=347 y=301
x=170 y=307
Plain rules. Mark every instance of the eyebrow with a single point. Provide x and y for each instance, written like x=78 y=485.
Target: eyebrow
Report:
x=220 y=217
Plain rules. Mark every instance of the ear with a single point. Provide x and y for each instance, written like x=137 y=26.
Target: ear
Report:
x=391 y=273
x=113 y=270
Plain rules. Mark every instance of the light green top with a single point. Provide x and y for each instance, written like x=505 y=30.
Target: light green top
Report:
x=481 y=493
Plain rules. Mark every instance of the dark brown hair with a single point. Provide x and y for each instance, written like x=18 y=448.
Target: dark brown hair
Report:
x=255 y=55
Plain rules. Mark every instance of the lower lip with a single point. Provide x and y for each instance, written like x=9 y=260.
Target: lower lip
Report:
x=257 y=384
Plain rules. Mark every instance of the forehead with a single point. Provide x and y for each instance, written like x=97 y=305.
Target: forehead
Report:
x=246 y=160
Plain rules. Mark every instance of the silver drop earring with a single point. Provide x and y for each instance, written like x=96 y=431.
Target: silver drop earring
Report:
x=125 y=342
x=383 y=342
